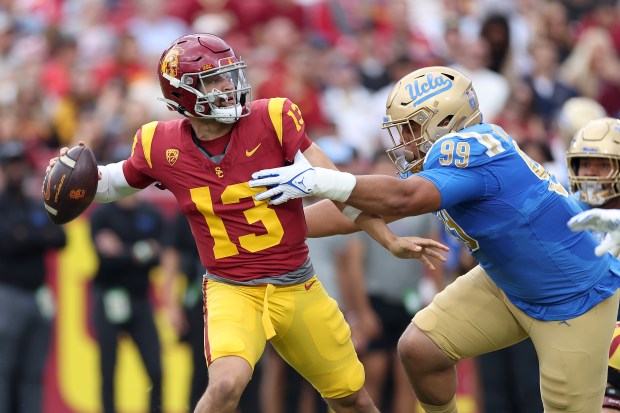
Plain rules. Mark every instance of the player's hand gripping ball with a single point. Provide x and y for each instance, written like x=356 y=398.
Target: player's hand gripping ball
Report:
x=70 y=186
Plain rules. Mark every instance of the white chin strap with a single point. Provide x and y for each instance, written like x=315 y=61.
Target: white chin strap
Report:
x=227 y=114
x=409 y=155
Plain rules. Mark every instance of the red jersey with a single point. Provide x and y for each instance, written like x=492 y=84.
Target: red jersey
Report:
x=238 y=237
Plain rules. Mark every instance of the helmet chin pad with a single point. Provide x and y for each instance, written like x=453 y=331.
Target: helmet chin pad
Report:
x=227 y=114
x=409 y=155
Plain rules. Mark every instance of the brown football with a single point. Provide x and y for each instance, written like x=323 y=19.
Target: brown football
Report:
x=70 y=186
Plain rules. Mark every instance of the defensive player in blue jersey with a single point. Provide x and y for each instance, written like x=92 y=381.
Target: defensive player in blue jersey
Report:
x=593 y=160
x=536 y=277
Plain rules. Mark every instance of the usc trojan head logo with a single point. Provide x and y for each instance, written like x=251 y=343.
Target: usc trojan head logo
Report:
x=170 y=62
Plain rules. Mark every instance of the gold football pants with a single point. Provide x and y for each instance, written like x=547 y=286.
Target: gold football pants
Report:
x=473 y=316
x=303 y=323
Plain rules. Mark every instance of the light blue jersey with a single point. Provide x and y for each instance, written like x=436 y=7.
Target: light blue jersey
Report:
x=512 y=216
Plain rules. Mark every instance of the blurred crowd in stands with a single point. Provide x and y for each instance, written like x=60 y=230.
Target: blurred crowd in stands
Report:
x=85 y=69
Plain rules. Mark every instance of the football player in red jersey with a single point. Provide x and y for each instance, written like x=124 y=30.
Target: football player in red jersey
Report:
x=611 y=402
x=259 y=283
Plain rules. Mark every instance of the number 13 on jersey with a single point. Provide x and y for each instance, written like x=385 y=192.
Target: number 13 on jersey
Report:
x=260 y=212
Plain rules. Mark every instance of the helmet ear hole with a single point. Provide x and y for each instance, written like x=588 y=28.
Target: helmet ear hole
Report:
x=445 y=121
x=176 y=95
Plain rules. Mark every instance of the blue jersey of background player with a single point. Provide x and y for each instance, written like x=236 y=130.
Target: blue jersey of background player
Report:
x=593 y=160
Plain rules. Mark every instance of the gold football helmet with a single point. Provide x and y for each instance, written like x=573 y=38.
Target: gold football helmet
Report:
x=575 y=114
x=599 y=138
x=422 y=107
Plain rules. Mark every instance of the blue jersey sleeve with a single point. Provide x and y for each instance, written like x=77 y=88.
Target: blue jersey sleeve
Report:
x=461 y=185
x=458 y=165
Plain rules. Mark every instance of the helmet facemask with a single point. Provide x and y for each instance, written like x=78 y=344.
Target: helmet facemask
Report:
x=239 y=95
x=593 y=189
x=599 y=142
x=212 y=103
x=410 y=141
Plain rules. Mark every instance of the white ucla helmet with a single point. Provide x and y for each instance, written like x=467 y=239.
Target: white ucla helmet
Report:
x=599 y=138
x=440 y=99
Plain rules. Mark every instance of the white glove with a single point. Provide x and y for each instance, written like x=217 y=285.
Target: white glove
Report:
x=601 y=220
x=288 y=182
x=301 y=179
x=597 y=219
x=610 y=244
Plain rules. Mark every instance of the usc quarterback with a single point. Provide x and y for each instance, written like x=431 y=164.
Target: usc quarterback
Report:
x=259 y=283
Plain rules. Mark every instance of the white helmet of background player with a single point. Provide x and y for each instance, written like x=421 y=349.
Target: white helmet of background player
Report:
x=440 y=99
x=600 y=138
x=575 y=114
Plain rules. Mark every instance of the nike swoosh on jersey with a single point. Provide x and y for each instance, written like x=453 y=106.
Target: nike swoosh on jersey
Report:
x=308 y=285
x=250 y=153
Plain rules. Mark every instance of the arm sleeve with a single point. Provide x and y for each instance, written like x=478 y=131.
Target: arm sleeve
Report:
x=113 y=184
